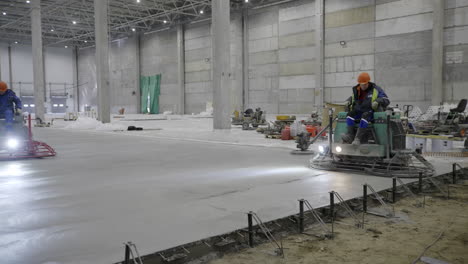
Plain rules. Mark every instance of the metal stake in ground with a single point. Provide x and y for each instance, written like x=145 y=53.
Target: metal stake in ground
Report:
x=394 y=190
x=454 y=173
x=249 y=218
x=364 y=198
x=127 y=254
x=332 y=204
x=301 y=216
x=420 y=182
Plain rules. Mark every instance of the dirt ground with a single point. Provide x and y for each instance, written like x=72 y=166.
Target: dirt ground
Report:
x=383 y=240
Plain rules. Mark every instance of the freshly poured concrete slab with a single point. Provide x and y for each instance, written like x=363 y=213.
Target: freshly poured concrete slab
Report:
x=104 y=189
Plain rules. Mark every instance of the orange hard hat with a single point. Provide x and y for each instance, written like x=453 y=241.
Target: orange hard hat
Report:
x=363 y=78
x=3 y=86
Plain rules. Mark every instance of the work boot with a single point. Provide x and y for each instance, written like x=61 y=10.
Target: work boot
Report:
x=360 y=136
x=349 y=136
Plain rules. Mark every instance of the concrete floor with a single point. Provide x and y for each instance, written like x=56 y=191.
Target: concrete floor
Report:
x=104 y=189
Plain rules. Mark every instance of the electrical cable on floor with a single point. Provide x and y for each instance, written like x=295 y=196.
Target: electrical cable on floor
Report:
x=433 y=243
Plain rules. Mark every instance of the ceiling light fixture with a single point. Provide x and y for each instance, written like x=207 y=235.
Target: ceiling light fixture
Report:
x=201 y=11
x=27 y=2
x=4 y=13
x=74 y=22
x=133 y=29
x=165 y=21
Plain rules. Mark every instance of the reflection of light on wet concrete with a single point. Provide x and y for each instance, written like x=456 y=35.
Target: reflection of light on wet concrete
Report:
x=13 y=169
x=269 y=171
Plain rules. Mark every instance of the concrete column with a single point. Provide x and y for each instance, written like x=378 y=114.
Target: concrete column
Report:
x=138 y=73
x=38 y=59
x=102 y=59
x=10 y=71
x=320 y=51
x=1 y=68
x=47 y=87
x=438 y=52
x=181 y=68
x=221 y=64
x=75 y=90
x=245 y=59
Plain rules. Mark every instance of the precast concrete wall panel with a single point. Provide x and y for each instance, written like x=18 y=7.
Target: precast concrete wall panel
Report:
x=456 y=36
x=296 y=26
x=355 y=47
x=296 y=12
x=403 y=25
x=339 y=5
x=298 y=81
x=403 y=8
x=297 y=40
x=296 y=54
x=297 y=68
x=266 y=57
x=198 y=73
x=456 y=51
x=263 y=44
x=410 y=41
x=267 y=31
x=351 y=32
x=350 y=17
x=455 y=3
x=456 y=17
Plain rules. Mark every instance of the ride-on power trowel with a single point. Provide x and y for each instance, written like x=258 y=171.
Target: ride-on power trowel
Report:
x=383 y=153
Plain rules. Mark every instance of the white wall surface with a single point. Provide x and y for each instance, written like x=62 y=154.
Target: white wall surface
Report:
x=58 y=67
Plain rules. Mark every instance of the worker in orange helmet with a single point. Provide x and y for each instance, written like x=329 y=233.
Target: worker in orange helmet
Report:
x=9 y=102
x=367 y=97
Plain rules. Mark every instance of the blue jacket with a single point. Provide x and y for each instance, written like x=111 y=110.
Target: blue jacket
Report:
x=374 y=93
x=9 y=101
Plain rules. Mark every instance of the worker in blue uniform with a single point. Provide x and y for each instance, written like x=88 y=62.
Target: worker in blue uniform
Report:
x=10 y=105
x=367 y=98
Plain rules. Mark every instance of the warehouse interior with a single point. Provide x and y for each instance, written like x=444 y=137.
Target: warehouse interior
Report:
x=195 y=128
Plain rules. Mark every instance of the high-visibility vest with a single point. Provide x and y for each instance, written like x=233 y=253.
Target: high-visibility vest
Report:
x=375 y=94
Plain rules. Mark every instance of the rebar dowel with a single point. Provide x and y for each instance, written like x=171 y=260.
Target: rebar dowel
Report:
x=301 y=216
x=127 y=254
x=317 y=217
x=330 y=136
x=332 y=204
x=393 y=190
x=267 y=233
x=389 y=139
x=420 y=182
x=364 y=198
x=345 y=206
x=381 y=201
x=408 y=190
x=249 y=218
x=454 y=173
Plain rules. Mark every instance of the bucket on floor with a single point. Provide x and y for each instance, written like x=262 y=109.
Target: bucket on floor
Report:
x=286 y=133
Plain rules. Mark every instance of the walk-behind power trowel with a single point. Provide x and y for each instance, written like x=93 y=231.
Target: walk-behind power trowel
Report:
x=16 y=142
x=383 y=153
